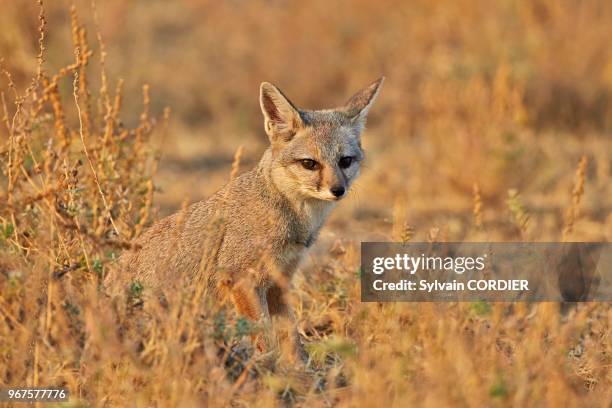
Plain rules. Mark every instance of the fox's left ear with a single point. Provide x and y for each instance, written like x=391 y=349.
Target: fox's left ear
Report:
x=358 y=106
x=281 y=118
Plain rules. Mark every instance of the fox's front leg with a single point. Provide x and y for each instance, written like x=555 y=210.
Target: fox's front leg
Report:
x=261 y=304
x=279 y=307
x=252 y=304
x=264 y=317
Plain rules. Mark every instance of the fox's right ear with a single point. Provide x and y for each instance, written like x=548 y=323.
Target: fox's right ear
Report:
x=359 y=105
x=281 y=117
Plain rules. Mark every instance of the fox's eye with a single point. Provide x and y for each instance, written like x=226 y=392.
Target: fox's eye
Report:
x=309 y=164
x=345 y=162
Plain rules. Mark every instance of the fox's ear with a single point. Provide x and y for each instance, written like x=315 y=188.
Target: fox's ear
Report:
x=358 y=106
x=281 y=117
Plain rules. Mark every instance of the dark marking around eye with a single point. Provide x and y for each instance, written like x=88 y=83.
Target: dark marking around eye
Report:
x=319 y=179
x=309 y=164
x=345 y=162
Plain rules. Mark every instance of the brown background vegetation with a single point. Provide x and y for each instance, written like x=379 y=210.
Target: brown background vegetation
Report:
x=494 y=123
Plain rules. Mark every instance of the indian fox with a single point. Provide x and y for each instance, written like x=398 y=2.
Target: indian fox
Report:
x=249 y=237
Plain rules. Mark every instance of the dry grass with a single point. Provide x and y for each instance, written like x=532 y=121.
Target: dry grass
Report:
x=493 y=125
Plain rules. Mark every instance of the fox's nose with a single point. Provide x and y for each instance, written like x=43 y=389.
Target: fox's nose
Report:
x=338 y=191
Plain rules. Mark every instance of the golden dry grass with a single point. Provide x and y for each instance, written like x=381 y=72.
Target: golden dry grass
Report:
x=494 y=124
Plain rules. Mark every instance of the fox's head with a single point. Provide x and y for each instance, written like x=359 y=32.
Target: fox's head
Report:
x=315 y=154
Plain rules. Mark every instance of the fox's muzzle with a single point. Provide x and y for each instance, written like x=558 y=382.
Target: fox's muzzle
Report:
x=338 y=191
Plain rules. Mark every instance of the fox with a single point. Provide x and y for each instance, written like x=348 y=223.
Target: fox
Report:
x=247 y=240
